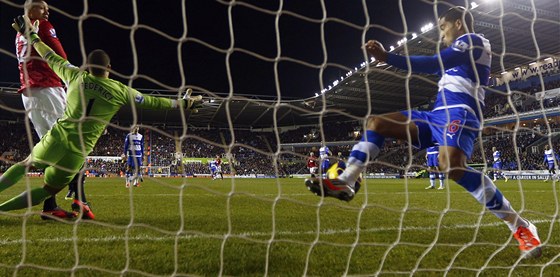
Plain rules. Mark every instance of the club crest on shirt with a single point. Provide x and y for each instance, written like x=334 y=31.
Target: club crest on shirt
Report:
x=139 y=98
x=53 y=33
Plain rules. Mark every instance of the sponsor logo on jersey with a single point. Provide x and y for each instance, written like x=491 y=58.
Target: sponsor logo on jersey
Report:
x=460 y=46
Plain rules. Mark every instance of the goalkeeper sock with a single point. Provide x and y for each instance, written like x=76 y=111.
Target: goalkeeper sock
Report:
x=12 y=176
x=21 y=201
x=50 y=204
x=485 y=192
x=368 y=148
x=80 y=193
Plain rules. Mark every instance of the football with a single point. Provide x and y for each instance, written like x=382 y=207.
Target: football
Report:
x=337 y=169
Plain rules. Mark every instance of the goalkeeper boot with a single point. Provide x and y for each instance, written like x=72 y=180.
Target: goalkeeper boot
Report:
x=330 y=187
x=57 y=213
x=84 y=208
x=529 y=242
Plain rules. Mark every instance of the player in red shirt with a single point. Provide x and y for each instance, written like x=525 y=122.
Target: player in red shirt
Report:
x=42 y=92
x=218 y=161
x=312 y=164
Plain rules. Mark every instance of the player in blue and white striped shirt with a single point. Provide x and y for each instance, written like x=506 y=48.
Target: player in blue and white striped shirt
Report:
x=549 y=157
x=134 y=153
x=453 y=124
x=497 y=165
x=324 y=154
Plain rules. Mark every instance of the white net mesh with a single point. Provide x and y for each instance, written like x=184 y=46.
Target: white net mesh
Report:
x=280 y=80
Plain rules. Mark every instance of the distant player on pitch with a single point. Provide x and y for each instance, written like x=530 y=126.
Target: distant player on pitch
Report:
x=92 y=100
x=453 y=124
x=549 y=157
x=497 y=164
x=312 y=164
x=134 y=154
x=432 y=155
x=218 y=162
x=324 y=154
x=213 y=169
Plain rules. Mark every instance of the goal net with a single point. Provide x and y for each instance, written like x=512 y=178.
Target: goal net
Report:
x=280 y=81
x=156 y=171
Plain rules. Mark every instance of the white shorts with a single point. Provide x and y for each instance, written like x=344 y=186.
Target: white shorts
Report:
x=44 y=106
x=313 y=170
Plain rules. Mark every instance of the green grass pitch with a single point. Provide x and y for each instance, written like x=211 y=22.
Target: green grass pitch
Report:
x=275 y=227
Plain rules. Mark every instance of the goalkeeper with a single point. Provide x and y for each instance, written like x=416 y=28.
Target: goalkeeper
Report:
x=93 y=99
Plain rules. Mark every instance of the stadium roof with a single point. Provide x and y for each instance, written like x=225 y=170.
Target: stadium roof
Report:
x=519 y=33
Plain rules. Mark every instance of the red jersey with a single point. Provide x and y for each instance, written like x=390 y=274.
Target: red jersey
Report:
x=218 y=162
x=38 y=71
x=311 y=162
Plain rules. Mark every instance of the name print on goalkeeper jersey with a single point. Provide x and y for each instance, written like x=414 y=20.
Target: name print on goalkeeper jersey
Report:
x=96 y=87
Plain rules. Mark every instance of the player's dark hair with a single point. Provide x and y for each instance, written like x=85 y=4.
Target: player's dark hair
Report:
x=98 y=60
x=459 y=13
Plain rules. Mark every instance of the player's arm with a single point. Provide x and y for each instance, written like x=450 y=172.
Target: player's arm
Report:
x=48 y=36
x=58 y=64
x=159 y=103
x=455 y=55
x=126 y=144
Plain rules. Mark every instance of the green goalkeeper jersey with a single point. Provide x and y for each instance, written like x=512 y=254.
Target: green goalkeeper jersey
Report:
x=92 y=102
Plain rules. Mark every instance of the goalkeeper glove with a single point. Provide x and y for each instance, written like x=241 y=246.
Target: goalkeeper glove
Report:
x=23 y=26
x=192 y=103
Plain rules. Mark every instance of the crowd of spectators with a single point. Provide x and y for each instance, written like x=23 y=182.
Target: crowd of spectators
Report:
x=523 y=97
x=256 y=153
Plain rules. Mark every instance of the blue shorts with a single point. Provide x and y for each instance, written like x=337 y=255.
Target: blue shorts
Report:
x=132 y=163
x=325 y=164
x=551 y=166
x=341 y=164
x=435 y=128
x=433 y=161
x=497 y=165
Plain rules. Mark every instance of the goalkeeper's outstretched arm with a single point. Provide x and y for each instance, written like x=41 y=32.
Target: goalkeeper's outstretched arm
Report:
x=67 y=72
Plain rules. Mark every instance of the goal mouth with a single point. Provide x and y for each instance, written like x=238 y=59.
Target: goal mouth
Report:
x=280 y=80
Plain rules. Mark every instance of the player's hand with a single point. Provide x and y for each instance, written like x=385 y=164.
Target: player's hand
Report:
x=23 y=25
x=192 y=103
x=376 y=50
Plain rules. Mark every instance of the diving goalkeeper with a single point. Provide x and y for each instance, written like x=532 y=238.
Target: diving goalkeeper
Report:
x=92 y=100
